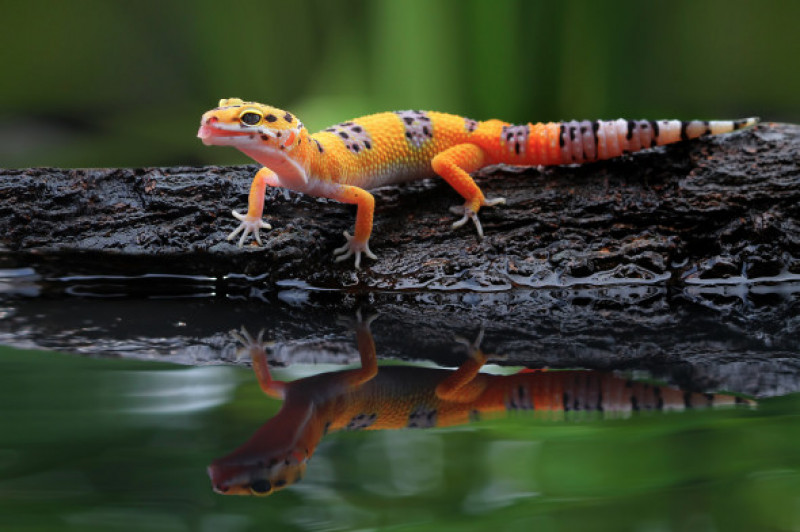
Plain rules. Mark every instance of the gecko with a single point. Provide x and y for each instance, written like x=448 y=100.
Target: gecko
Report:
x=345 y=161
x=398 y=397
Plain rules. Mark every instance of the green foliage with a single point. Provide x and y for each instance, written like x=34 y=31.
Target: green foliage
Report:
x=93 y=83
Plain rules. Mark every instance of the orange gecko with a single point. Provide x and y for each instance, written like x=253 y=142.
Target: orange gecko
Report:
x=345 y=161
x=415 y=397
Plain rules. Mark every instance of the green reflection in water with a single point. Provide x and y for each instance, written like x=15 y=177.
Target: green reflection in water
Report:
x=119 y=445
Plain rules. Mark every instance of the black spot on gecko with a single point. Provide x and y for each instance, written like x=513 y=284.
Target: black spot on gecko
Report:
x=422 y=417
x=684 y=134
x=271 y=118
x=319 y=146
x=654 y=125
x=355 y=138
x=561 y=141
x=416 y=132
x=519 y=399
x=518 y=135
x=631 y=127
x=264 y=137
x=288 y=117
x=361 y=421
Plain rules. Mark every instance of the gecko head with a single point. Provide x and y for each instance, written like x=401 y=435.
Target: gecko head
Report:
x=250 y=126
x=238 y=474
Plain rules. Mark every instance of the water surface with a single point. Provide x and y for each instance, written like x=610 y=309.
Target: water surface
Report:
x=119 y=437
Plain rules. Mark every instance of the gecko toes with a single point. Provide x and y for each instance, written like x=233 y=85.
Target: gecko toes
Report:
x=248 y=226
x=353 y=248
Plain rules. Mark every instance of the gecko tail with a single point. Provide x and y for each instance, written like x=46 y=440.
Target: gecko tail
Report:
x=586 y=141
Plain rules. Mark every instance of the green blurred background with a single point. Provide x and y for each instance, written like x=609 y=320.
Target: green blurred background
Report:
x=100 y=83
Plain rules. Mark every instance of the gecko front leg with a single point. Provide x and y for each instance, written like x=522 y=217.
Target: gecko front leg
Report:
x=252 y=222
x=359 y=242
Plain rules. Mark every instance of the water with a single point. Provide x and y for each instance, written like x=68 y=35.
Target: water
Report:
x=120 y=435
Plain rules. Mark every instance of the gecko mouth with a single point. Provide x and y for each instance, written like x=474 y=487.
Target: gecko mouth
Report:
x=208 y=132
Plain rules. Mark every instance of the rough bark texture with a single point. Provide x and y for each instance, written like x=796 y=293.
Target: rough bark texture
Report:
x=713 y=208
x=681 y=261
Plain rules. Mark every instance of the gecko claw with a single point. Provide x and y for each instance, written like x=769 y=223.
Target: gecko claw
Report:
x=353 y=248
x=470 y=214
x=249 y=225
x=473 y=347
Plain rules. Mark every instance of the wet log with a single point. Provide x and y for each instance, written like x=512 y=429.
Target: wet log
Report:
x=717 y=208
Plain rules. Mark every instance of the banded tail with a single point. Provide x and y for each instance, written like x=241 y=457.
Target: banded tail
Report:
x=604 y=392
x=586 y=141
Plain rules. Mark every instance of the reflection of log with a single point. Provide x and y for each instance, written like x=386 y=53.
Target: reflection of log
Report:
x=742 y=342
x=711 y=208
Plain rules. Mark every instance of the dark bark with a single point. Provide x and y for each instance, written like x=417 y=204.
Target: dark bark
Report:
x=714 y=208
x=617 y=265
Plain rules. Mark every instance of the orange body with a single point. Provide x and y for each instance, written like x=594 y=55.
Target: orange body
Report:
x=344 y=161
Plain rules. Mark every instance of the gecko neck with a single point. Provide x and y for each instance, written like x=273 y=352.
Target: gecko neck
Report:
x=292 y=164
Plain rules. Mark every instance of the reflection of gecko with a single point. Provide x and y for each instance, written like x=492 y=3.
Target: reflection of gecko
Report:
x=344 y=161
x=413 y=397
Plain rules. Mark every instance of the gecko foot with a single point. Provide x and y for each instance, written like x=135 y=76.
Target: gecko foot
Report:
x=353 y=247
x=470 y=214
x=255 y=347
x=474 y=347
x=248 y=225
x=359 y=322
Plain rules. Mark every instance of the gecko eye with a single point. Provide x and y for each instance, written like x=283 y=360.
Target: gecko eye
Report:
x=261 y=487
x=250 y=118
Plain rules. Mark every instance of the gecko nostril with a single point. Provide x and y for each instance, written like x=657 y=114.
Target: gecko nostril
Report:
x=212 y=120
